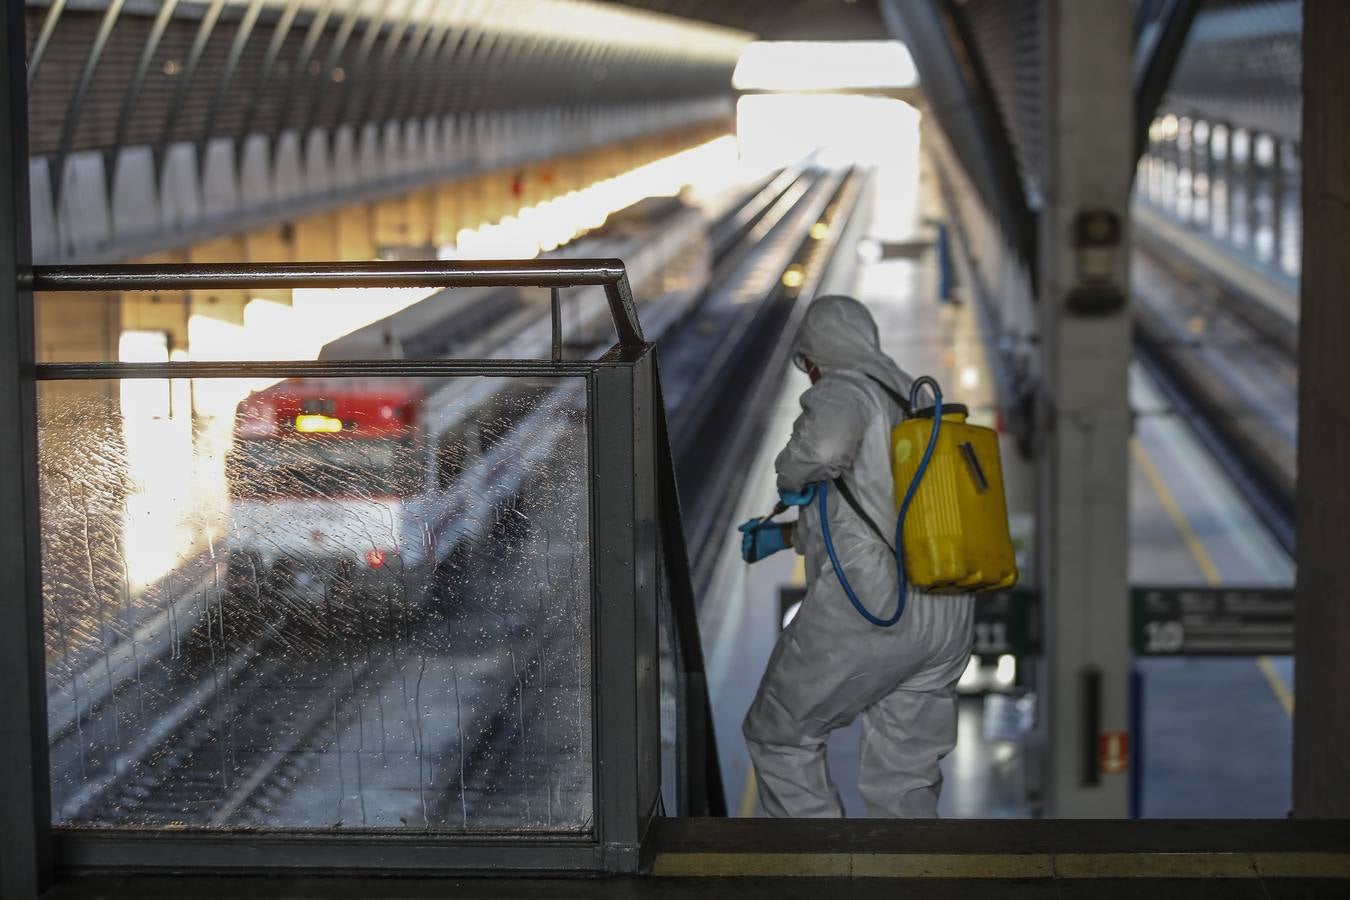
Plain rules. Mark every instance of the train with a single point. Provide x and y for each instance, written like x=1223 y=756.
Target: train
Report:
x=375 y=485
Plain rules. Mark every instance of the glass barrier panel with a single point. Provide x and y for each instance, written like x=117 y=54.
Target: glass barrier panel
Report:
x=339 y=604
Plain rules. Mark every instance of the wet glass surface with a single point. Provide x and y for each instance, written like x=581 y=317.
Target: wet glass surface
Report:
x=351 y=604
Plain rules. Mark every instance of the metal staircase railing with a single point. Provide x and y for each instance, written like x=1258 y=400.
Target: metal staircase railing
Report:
x=641 y=620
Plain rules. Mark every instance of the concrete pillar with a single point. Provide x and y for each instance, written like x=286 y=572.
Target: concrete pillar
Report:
x=390 y=223
x=80 y=327
x=1322 y=620
x=225 y=305
x=573 y=171
x=166 y=312
x=1150 y=163
x=275 y=245
x=316 y=239
x=548 y=181
x=420 y=213
x=1252 y=180
x=446 y=210
x=354 y=234
x=1229 y=182
x=1083 y=471
x=1173 y=144
x=520 y=182
x=1211 y=170
x=473 y=206
x=1277 y=203
x=1192 y=168
x=496 y=196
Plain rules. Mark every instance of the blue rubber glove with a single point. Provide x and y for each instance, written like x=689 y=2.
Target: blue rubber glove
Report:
x=799 y=498
x=760 y=539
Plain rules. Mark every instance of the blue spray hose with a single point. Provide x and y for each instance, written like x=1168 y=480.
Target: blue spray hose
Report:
x=900 y=519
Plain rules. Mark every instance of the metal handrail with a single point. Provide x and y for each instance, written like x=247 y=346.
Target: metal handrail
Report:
x=607 y=273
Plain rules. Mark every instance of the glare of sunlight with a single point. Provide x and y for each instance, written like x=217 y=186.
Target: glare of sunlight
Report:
x=703 y=170
x=157 y=436
x=824 y=66
x=1006 y=672
x=842 y=129
x=270 y=330
x=971 y=676
x=144 y=398
x=1171 y=125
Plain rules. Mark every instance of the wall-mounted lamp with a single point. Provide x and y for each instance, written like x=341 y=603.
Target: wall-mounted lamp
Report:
x=1096 y=240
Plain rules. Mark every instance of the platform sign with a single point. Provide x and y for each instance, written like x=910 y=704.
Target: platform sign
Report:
x=1005 y=623
x=1212 y=621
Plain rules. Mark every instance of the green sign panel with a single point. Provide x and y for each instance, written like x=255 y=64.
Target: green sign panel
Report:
x=1212 y=621
x=1007 y=623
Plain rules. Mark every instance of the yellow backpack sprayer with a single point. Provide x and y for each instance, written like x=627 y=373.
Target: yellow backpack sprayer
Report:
x=951 y=530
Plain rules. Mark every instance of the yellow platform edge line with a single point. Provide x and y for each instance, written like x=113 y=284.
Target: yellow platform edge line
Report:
x=1155 y=865
x=1283 y=695
x=751 y=865
x=1277 y=685
x=1002 y=865
x=749 y=796
x=953 y=865
x=1173 y=510
x=1302 y=865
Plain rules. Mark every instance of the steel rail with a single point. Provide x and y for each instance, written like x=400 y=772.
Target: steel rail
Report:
x=226 y=276
x=607 y=273
x=309 y=368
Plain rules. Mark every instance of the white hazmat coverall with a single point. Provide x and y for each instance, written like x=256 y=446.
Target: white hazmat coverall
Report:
x=831 y=665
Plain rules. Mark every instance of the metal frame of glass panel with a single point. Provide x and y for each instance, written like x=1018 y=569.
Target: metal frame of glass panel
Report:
x=623 y=428
x=25 y=850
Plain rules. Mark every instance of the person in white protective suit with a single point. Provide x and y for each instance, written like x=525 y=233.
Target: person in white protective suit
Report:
x=830 y=665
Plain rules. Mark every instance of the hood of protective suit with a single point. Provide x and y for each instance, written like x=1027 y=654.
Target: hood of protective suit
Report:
x=838 y=334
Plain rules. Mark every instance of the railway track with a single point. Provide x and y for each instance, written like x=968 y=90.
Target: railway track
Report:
x=1231 y=374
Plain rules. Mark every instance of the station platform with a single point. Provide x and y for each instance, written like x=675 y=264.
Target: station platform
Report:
x=1214 y=733
x=711 y=858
